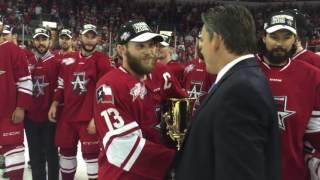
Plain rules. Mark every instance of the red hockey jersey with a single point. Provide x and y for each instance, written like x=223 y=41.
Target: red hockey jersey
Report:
x=308 y=56
x=76 y=84
x=176 y=69
x=197 y=80
x=296 y=91
x=15 y=80
x=44 y=73
x=126 y=123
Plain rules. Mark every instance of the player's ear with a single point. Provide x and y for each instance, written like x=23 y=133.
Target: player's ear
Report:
x=216 y=40
x=121 y=49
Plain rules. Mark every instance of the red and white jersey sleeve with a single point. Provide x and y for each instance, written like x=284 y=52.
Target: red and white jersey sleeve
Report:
x=308 y=57
x=312 y=132
x=176 y=69
x=163 y=79
x=127 y=131
x=15 y=79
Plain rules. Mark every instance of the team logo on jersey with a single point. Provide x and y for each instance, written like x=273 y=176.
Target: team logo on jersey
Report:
x=189 y=68
x=104 y=94
x=68 y=61
x=282 y=111
x=79 y=83
x=139 y=90
x=195 y=91
x=2 y=72
x=38 y=86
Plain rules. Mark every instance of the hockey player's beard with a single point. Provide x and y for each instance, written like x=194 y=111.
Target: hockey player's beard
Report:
x=137 y=65
x=42 y=51
x=277 y=56
x=87 y=50
x=65 y=47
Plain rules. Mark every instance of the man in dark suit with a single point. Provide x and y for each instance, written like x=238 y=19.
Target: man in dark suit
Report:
x=234 y=134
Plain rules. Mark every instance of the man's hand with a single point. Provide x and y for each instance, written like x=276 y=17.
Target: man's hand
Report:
x=91 y=127
x=53 y=111
x=18 y=115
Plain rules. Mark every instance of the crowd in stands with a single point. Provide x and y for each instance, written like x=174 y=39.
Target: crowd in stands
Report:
x=182 y=18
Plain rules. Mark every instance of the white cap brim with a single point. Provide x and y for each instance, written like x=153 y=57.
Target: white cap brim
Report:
x=163 y=43
x=278 y=27
x=43 y=34
x=146 y=37
x=6 y=32
x=65 y=34
x=85 y=31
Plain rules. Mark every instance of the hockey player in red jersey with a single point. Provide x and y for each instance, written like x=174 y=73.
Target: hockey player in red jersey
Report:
x=303 y=54
x=165 y=51
x=16 y=96
x=125 y=109
x=296 y=88
x=79 y=73
x=303 y=31
x=39 y=130
x=196 y=79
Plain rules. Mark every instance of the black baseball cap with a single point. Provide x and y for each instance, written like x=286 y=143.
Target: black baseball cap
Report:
x=167 y=37
x=7 y=29
x=281 y=20
x=41 y=31
x=89 y=27
x=66 y=32
x=136 y=31
x=1 y=23
x=1 y=20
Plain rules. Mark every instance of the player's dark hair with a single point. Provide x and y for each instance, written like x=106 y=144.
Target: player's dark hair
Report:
x=236 y=26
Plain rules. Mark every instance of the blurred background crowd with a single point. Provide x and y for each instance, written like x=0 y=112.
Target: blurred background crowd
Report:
x=183 y=18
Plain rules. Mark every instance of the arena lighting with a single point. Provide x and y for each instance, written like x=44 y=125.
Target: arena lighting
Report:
x=49 y=24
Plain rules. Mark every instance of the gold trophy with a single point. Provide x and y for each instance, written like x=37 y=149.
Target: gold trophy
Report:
x=177 y=118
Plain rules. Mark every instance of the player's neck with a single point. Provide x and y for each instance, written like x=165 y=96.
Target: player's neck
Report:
x=85 y=53
x=283 y=63
x=133 y=73
x=165 y=60
x=299 y=49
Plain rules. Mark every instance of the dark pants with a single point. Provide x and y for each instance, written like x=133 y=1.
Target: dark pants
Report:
x=42 y=149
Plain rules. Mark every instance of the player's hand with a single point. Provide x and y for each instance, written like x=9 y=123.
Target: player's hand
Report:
x=52 y=112
x=18 y=115
x=91 y=127
x=313 y=164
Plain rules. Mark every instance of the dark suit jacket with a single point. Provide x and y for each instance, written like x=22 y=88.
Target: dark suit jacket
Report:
x=234 y=134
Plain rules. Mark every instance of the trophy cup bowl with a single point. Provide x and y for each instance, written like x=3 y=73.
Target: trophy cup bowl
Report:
x=177 y=117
